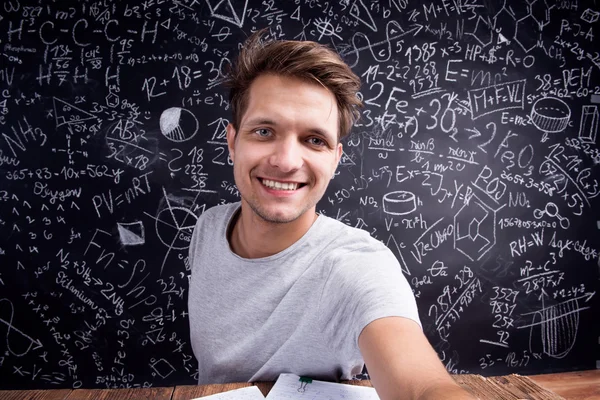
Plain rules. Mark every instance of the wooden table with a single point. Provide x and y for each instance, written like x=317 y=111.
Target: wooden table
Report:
x=583 y=385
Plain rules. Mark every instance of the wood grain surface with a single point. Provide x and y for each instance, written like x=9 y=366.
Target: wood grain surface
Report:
x=580 y=385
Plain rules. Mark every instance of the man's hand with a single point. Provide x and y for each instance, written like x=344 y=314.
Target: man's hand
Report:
x=403 y=365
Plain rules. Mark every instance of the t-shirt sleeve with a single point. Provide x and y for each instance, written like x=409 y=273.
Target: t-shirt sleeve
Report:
x=195 y=240
x=365 y=285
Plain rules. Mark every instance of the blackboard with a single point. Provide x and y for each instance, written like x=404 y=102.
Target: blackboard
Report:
x=475 y=160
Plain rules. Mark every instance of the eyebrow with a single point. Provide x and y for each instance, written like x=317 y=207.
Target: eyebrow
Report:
x=261 y=121
x=267 y=121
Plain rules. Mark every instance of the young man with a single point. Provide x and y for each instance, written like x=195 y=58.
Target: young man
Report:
x=278 y=288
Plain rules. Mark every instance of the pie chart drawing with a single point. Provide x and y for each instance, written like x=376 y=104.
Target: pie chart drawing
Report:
x=178 y=124
x=173 y=228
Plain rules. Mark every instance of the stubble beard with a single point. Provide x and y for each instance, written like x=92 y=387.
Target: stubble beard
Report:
x=265 y=215
x=274 y=219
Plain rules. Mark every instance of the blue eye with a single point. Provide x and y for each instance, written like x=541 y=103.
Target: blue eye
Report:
x=316 y=141
x=262 y=132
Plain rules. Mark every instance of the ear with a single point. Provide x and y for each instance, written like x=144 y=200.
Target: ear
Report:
x=338 y=155
x=231 y=134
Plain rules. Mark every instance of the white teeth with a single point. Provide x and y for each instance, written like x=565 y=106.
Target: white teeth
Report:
x=279 y=185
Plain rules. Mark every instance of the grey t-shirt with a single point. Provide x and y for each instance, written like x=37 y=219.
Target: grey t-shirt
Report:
x=298 y=311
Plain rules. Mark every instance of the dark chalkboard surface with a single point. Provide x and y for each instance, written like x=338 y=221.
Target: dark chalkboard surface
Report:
x=476 y=161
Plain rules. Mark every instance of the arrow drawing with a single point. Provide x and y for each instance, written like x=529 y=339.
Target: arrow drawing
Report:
x=11 y=329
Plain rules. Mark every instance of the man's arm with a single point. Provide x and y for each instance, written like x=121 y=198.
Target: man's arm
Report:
x=403 y=365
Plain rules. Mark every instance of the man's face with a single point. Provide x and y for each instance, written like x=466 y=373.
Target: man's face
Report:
x=286 y=149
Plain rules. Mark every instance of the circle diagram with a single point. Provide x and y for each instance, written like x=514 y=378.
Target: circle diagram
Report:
x=172 y=229
x=178 y=124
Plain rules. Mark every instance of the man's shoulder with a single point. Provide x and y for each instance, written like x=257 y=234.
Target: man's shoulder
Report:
x=212 y=223
x=352 y=242
x=210 y=229
x=218 y=214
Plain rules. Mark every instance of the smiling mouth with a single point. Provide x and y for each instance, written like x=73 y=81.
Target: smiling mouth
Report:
x=281 y=185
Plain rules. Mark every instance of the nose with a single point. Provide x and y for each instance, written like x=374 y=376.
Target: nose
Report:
x=287 y=155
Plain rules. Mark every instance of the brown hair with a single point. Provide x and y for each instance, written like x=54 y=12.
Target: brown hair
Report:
x=306 y=60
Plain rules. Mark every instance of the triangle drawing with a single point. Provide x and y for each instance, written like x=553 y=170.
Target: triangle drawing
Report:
x=396 y=249
x=361 y=13
x=502 y=39
x=166 y=23
x=346 y=160
x=66 y=113
x=227 y=11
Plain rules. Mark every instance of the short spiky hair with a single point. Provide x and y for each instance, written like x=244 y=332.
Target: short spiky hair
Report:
x=305 y=60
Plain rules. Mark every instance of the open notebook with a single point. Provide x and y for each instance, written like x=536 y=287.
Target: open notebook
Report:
x=291 y=387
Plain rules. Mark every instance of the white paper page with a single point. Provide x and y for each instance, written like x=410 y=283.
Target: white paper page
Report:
x=288 y=385
x=247 y=393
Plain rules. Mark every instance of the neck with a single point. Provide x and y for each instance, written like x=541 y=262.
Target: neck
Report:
x=253 y=237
